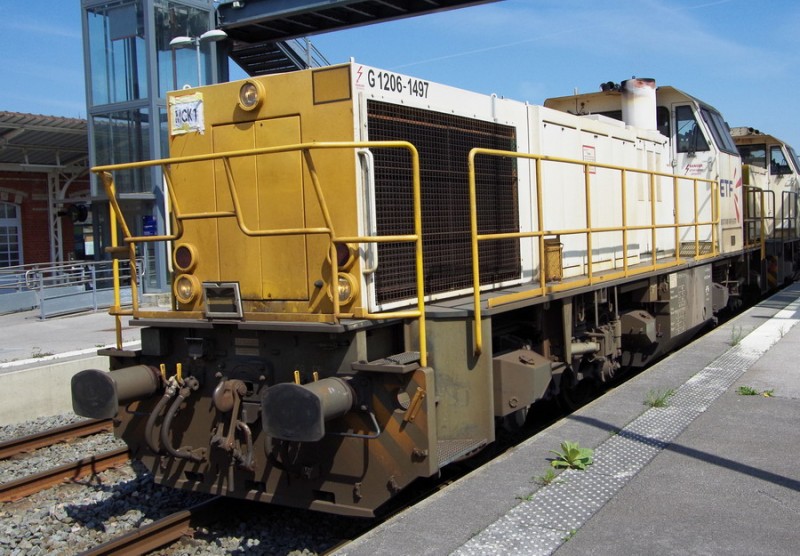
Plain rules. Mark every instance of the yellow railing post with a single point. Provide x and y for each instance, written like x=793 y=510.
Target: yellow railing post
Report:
x=653 y=221
x=476 y=273
x=540 y=223
x=696 y=220
x=112 y=220
x=587 y=196
x=763 y=234
x=624 y=188
x=677 y=220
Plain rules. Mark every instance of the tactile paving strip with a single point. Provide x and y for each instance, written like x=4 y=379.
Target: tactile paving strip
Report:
x=540 y=525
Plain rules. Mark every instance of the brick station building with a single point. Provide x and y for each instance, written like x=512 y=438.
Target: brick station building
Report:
x=45 y=213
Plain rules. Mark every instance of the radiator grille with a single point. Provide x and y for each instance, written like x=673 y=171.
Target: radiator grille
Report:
x=443 y=142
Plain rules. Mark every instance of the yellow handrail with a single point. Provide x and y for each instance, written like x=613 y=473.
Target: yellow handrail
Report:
x=178 y=217
x=751 y=219
x=540 y=233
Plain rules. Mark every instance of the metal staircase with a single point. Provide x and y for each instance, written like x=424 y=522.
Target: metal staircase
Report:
x=265 y=57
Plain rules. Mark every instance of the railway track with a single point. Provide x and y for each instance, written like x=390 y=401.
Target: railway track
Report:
x=33 y=442
x=31 y=484
x=160 y=533
x=25 y=486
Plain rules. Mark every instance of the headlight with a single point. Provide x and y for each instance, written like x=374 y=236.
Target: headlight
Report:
x=347 y=288
x=251 y=94
x=184 y=257
x=186 y=287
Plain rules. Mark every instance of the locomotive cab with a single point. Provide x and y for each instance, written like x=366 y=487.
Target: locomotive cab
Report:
x=777 y=163
x=700 y=144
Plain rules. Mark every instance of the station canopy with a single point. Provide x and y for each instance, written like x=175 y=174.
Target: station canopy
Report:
x=30 y=142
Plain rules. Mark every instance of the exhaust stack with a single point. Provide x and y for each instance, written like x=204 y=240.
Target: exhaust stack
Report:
x=639 y=103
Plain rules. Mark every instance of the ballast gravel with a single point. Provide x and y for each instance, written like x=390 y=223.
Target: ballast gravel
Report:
x=76 y=516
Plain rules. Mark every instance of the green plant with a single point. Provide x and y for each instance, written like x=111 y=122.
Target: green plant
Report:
x=736 y=335
x=37 y=353
x=750 y=391
x=658 y=398
x=547 y=478
x=572 y=456
x=569 y=535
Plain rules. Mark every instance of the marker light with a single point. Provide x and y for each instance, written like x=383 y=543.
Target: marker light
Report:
x=345 y=255
x=251 y=94
x=184 y=257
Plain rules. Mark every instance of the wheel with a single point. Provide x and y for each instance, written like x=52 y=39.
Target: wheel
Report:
x=575 y=393
x=513 y=422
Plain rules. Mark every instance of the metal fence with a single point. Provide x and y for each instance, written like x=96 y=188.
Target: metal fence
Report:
x=61 y=288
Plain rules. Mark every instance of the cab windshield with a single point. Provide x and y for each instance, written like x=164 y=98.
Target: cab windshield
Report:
x=755 y=155
x=719 y=129
x=793 y=159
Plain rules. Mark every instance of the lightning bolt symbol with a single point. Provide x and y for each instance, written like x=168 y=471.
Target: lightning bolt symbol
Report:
x=359 y=72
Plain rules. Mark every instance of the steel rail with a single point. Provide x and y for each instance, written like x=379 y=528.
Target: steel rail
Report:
x=25 y=486
x=53 y=436
x=158 y=533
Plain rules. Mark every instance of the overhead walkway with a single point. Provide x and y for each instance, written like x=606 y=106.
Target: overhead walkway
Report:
x=277 y=20
x=265 y=33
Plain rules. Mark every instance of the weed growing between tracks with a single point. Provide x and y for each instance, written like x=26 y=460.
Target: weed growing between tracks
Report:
x=658 y=398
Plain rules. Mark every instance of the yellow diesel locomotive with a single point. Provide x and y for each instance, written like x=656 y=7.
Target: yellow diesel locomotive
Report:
x=371 y=272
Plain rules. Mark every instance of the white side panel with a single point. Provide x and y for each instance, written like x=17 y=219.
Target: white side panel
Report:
x=557 y=134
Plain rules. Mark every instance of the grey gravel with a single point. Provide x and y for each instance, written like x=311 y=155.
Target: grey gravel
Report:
x=9 y=432
x=76 y=516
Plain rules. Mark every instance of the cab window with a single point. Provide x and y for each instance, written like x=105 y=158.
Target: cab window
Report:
x=755 y=155
x=689 y=135
x=778 y=165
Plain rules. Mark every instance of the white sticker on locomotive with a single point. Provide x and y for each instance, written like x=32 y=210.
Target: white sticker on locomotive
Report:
x=590 y=155
x=186 y=114
x=391 y=82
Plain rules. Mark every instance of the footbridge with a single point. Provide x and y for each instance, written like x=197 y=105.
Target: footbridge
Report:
x=266 y=34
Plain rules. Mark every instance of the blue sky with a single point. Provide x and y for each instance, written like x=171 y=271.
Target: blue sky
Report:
x=742 y=56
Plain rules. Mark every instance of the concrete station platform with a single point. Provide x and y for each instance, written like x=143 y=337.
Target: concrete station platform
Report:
x=38 y=358
x=713 y=472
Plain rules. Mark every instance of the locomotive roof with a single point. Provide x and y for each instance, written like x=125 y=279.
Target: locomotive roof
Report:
x=752 y=135
x=600 y=96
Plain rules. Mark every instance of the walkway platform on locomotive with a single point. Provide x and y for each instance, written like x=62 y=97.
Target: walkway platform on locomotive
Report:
x=713 y=472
